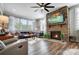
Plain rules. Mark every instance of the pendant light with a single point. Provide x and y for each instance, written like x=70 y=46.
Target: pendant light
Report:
x=3 y=18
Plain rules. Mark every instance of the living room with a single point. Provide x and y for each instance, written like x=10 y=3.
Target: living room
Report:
x=39 y=28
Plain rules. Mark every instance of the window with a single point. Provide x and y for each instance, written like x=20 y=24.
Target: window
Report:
x=17 y=24
x=77 y=18
x=30 y=25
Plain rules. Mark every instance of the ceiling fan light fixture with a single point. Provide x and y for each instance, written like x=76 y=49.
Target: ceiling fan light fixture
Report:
x=42 y=7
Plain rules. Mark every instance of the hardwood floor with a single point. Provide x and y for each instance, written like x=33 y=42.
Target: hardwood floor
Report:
x=46 y=47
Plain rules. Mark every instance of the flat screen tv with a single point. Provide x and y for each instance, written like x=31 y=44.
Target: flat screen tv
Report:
x=56 y=18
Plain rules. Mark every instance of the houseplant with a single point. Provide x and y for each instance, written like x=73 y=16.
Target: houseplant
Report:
x=46 y=35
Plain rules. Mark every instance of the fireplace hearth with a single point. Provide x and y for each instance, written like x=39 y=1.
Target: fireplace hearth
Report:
x=55 y=35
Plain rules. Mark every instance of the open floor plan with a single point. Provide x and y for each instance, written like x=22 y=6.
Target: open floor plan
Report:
x=39 y=29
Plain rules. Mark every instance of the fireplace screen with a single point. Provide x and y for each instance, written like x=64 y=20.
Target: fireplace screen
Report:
x=56 y=35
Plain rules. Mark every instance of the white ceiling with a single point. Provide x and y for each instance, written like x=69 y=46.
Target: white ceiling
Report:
x=24 y=9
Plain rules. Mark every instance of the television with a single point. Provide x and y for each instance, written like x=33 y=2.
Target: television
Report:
x=56 y=18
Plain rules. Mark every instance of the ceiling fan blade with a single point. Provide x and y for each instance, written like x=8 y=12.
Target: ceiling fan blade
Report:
x=50 y=6
x=39 y=4
x=35 y=7
x=46 y=9
x=47 y=4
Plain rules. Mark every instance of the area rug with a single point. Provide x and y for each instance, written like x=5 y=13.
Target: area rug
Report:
x=57 y=47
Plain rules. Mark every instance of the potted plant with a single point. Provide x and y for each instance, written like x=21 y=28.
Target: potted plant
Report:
x=46 y=35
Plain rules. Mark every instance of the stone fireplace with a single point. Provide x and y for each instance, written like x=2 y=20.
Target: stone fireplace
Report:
x=59 y=31
x=55 y=35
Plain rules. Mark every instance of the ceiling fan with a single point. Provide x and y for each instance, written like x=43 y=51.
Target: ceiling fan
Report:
x=43 y=6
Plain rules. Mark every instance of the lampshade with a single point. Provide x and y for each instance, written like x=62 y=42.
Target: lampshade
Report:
x=4 y=19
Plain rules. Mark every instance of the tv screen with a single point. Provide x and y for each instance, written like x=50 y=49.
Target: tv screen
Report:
x=56 y=18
